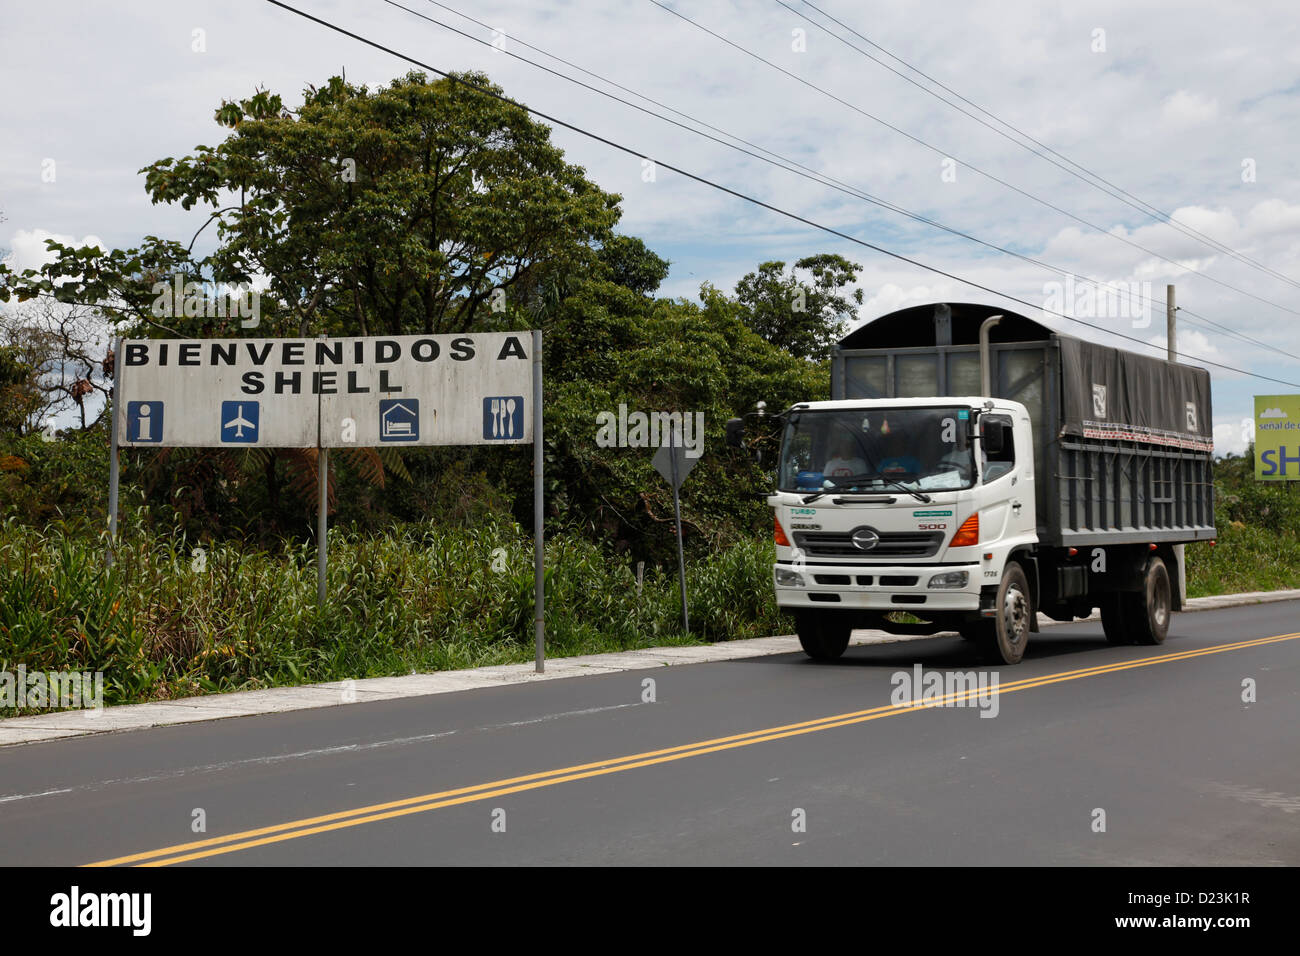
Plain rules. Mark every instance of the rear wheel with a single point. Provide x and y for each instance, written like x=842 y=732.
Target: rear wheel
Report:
x=1150 y=609
x=824 y=635
x=1114 y=618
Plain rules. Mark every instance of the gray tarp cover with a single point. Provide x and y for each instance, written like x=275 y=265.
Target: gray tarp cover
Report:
x=1112 y=393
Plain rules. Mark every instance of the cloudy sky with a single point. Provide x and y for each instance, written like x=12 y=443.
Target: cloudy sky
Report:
x=1192 y=107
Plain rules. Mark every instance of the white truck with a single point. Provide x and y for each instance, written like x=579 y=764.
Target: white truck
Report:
x=1066 y=483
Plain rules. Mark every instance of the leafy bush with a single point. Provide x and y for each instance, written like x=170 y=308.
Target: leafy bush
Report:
x=172 y=619
x=1258 y=526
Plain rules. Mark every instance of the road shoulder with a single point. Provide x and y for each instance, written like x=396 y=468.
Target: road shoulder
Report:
x=76 y=723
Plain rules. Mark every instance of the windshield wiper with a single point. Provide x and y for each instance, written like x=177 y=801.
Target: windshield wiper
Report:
x=848 y=482
x=837 y=484
x=918 y=495
x=840 y=484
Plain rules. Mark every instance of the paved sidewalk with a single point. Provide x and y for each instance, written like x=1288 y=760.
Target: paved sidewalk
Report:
x=76 y=723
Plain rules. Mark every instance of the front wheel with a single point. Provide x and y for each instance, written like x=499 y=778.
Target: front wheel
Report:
x=824 y=635
x=1007 y=639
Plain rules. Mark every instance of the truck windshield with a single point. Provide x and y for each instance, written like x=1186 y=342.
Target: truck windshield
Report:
x=877 y=449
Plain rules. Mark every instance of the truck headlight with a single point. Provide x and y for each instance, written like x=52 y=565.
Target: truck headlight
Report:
x=788 y=579
x=950 y=579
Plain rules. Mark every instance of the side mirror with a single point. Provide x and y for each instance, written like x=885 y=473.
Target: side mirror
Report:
x=995 y=433
x=735 y=433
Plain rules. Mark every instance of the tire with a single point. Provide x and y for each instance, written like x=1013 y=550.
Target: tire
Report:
x=1114 y=619
x=824 y=635
x=1008 y=638
x=1149 y=611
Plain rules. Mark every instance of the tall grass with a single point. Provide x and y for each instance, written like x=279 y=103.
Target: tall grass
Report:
x=165 y=622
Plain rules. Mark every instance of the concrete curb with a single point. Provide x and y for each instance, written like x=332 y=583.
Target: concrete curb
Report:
x=61 y=724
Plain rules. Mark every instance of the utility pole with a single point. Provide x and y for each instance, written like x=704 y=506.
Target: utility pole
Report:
x=1171 y=331
x=1171 y=340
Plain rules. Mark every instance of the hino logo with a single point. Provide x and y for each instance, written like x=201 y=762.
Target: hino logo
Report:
x=864 y=539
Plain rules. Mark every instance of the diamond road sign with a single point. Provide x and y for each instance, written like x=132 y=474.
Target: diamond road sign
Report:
x=663 y=462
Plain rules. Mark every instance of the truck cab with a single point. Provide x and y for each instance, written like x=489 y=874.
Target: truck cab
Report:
x=912 y=505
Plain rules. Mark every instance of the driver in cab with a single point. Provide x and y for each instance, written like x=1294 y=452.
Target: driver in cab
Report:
x=843 y=463
x=896 y=463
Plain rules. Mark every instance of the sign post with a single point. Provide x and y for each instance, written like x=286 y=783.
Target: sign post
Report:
x=322 y=508
x=539 y=540
x=672 y=462
x=322 y=522
x=113 y=456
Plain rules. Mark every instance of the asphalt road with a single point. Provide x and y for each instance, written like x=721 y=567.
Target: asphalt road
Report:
x=1086 y=756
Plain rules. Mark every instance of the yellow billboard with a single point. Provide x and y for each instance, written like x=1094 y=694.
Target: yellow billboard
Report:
x=1277 y=437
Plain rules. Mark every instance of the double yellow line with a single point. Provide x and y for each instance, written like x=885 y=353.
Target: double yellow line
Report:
x=247 y=839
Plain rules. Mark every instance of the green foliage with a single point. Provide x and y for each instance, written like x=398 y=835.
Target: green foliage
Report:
x=165 y=623
x=610 y=347
x=19 y=393
x=1258 y=525
x=631 y=264
x=396 y=210
x=803 y=317
x=65 y=479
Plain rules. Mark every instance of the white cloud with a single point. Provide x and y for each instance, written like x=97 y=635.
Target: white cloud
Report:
x=1190 y=342
x=28 y=251
x=1132 y=115
x=1189 y=109
x=1230 y=439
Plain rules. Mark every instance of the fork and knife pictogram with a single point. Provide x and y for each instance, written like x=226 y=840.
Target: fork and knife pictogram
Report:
x=502 y=411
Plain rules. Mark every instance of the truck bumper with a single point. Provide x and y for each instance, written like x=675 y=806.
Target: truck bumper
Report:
x=875 y=588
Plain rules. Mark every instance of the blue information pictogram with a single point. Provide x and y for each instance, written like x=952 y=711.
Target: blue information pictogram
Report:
x=144 y=421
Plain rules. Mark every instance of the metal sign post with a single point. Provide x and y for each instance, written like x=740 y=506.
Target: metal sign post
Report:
x=539 y=541
x=113 y=463
x=322 y=522
x=671 y=462
x=322 y=506
x=681 y=554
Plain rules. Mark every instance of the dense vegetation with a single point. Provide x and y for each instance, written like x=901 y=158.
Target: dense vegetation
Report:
x=1258 y=524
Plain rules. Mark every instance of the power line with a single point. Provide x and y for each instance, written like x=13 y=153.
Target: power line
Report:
x=808 y=173
x=970 y=166
x=739 y=195
x=1102 y=184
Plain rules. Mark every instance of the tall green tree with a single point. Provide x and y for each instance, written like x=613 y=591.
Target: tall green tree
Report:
x=412 y=208
x=803 y=315
x=631 y=264
x=419 y=207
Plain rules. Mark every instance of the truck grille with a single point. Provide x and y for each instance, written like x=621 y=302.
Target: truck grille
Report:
x=893 y=544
